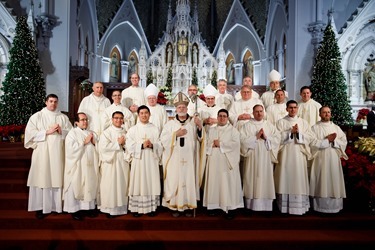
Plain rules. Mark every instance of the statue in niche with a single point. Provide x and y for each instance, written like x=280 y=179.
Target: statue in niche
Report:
x=248 y=67
x=169 y=54
x=369 y=79
x=114 y=67
x=182 y=48
x=195 y=55
x=132 y=68
x=230 y=71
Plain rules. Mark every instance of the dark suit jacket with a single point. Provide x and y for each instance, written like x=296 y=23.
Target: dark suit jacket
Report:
x=371 y=122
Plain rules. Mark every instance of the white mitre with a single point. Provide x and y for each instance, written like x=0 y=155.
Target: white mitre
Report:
x=274 y=76
x=151 y=90
x=209 y=90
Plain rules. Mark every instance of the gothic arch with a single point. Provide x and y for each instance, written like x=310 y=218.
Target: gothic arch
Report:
x=240 y=36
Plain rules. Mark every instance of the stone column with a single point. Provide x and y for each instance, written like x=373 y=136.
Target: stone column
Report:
x=106 y=64
x=238 y=67
x=124 y=71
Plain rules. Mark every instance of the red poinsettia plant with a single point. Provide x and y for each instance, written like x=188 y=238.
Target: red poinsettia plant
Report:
x=362 y=114
x=13 y=129
x=202 y=97
x=161 y=99
x=360 y=167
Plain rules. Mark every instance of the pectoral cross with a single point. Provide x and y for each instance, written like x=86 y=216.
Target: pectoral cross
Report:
x=145 y=138
x=183 y=161
x=304 y=111
x=247 y=109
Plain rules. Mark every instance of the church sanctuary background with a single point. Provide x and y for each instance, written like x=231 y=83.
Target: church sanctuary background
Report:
x=107 y=40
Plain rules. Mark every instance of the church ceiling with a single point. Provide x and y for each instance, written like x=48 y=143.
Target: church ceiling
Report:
x=211 y=14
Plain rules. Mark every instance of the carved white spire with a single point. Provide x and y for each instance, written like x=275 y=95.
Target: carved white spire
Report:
x=331 y=20
x=195 y=19
x=31 y=22
x=183 y=13
x=221 y=61
x=142 y=64
x=169 y=18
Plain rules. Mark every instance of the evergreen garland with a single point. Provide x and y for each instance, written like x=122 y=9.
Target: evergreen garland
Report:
x=24 y=86
x=328 y=82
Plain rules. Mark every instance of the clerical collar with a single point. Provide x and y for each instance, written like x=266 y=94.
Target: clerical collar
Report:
x=187 y=117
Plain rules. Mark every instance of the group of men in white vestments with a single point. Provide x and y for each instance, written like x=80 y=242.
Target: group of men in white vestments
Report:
x=240 y=152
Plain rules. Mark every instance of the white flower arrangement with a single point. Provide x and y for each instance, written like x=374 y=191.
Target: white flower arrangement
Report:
x=167 y=93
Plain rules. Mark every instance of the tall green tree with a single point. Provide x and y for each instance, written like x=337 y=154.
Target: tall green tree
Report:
x=24 y=87
x=328 y=81
x=150 y=78
x=168 y=84
x=194 y=78
x=214 y=79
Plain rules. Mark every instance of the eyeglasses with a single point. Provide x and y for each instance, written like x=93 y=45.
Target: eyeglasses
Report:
x=222 y=116
x=118 y=118
x=84 y=120
x=116 y=95
x=192 y=90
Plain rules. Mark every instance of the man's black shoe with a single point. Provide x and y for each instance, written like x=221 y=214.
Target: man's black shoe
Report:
x=109 y=216
x=93 y=213
x=77 y=216
x=40 y=215
x=152 y=214
x=229 y=215
x=136 y=215
x=212 y=212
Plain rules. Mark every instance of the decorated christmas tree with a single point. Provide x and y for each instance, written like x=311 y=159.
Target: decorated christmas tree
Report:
x=328 y=81
x=24 y=87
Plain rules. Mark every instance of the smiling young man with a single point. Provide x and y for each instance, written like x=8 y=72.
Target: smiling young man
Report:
x=81 y=175
x=133 y=96
x=327 y=185
x=45 y=133
x=291 y=174
x=145 y=150
x=106 y=118
x=259 y=146
x=114 y=182
x=277 y=110
x=222 y=185
x=308 y=108
x=222 y=98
